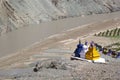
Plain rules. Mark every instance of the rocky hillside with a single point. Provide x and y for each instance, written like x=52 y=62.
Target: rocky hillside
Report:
x=17 y=13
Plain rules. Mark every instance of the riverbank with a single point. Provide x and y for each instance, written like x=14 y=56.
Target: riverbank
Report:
x=68 y=37
x=33 y=33
x=58 y=49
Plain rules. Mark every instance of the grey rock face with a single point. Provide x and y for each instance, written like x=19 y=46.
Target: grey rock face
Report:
x=17 y=13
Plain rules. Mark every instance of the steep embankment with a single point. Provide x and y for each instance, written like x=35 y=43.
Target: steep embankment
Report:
x=17 y=13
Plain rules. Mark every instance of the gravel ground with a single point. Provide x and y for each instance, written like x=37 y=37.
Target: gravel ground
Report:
x=65 y=69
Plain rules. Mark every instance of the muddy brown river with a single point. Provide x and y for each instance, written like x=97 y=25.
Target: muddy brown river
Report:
x=26 y=36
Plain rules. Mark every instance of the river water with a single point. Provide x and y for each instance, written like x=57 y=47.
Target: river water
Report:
x=26 y=36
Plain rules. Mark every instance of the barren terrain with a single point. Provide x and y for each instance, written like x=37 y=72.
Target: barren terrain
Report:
x=57 y=50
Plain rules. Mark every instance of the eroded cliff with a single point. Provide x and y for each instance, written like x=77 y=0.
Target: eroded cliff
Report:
x=17 y=13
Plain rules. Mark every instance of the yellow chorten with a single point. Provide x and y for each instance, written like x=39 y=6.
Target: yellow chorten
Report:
x=92 y=54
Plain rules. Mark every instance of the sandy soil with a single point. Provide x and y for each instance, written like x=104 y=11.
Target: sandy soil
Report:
x=64 y=44
x=66 y=37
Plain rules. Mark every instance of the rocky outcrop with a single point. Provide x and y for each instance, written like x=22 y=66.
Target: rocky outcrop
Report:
x=17 y=13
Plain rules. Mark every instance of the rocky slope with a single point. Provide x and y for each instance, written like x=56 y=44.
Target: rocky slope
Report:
x=64 y=69
x=17 y=13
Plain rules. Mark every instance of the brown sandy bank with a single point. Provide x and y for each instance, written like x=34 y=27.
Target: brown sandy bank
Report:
x=73 y=34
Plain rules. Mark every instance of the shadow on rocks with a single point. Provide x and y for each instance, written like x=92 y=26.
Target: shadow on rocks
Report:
x=50 y=64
